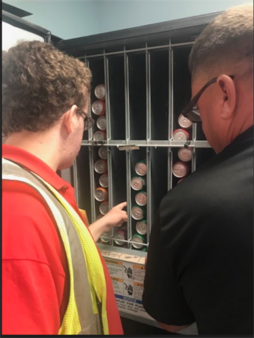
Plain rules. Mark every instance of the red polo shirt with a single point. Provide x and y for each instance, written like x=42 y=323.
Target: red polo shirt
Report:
x=35 y=283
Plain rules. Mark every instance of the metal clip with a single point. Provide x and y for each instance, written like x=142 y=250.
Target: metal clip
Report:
x=128 y=147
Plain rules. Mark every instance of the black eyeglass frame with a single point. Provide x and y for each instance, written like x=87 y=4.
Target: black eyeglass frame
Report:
x=191 y=112
x=88 y=121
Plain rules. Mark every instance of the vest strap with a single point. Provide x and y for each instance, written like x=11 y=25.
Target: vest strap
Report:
x=79 y=317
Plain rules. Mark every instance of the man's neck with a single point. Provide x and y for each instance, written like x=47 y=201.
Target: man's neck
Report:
x=43 y=145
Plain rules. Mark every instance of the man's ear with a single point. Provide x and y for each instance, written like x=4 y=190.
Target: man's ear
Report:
x=69 y=119
x=227 y=99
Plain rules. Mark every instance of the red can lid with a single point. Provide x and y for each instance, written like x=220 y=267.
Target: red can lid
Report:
x=181 y=135
x=185 y=154
x=184 y=122
x=180 y=169
x=99 y=135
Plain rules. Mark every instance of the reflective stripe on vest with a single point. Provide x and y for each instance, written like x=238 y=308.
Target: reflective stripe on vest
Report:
x=82 y=314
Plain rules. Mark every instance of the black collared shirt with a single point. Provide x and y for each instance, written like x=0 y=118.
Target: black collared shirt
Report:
x=200 y=256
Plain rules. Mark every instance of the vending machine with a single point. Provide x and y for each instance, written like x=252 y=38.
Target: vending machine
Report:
x=140 y=146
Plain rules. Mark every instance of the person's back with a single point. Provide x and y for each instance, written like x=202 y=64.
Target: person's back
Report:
x=54 y=280
x=202 y=234
x=212 y=260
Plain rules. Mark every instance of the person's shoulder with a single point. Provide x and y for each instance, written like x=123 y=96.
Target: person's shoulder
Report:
x=22 y=199
x=25 y=215
x=28 y=227
x=191 y=193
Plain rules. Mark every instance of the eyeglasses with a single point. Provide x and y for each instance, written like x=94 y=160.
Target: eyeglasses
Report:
x=191 y=111
x=88 y=121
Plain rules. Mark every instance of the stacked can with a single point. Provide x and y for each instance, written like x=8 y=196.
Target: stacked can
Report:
x=180 y=168
x=101 y=192
x=182 y=134
x=99 y=109
x=138 y=211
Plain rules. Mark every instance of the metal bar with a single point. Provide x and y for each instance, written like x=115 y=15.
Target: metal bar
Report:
x=92 y=186
x=123 y=240
x=149 y=192
x=75 y=180
x=128 y=194
x=170 y=94
x=141 y=49
x=26 y=25
x=170 y=164
x=107 y=97
x=127 y=98
x=90 y=131
x=194 y=160
x=153 y=143
x=194 y=132
x=194 y=137
x=110 y=183
x=148 y=97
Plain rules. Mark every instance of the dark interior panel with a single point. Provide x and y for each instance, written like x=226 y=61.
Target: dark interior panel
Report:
x=117 y=97
x=83 y=176
x=159 y=61
x=137 y=94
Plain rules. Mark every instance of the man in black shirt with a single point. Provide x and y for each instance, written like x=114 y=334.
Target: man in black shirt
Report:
x=200 y=257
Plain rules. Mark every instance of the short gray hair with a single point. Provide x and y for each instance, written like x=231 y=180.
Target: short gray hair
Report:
x=227 y=39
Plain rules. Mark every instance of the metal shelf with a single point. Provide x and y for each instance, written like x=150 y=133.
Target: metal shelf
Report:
x=145 y=88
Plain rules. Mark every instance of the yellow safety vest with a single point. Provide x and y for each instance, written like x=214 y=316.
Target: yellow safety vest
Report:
x=86 y=310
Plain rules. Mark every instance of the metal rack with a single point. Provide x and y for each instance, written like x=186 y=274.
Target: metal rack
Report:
x=147 y=81
x=143 y=89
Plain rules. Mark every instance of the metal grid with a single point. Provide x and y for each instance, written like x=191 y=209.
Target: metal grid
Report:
x=149 y=144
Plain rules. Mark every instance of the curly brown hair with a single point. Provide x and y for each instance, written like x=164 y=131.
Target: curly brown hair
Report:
x=39 y=84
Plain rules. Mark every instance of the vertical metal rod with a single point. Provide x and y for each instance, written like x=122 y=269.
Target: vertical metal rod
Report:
x=128 y=193
x=170 y=164
x=194 y=137
x=127 y=97
x=149 y=192
x=107 y=96
x=170 y=92
x=92 y=180
x=194 y=159
x=90 y=131
x=194 y=132
x=148 y=96
x=75 y=181
x=110 y=183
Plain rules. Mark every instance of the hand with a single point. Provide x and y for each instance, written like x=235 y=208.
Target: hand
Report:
x=116 y=216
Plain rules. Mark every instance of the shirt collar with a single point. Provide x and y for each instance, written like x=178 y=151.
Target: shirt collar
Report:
x=35 y=165
x=247 y=134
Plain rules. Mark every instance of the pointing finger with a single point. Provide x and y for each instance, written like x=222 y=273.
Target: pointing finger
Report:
x=121 y=205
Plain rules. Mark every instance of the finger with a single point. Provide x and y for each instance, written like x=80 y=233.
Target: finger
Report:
x=121 y=205
x=125 y=218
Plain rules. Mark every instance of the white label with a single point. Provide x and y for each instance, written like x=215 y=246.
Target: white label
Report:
x=127 y=273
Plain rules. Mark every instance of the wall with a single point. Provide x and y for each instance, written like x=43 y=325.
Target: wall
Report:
x=64 y=18
x=132 y=13
x=74 y=18
x=11 y=34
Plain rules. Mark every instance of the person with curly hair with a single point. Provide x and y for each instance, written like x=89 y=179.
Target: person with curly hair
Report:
x=54 y=279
